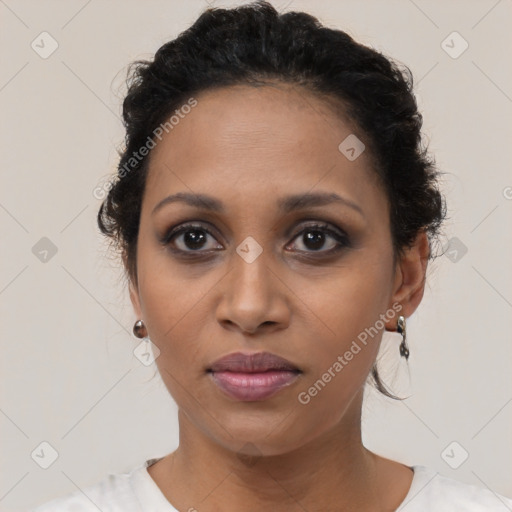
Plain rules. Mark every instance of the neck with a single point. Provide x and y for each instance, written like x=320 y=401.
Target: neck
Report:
x=334 y=471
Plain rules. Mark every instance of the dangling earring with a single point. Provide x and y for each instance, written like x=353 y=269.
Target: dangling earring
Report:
x=404 y=351
x=139 y=329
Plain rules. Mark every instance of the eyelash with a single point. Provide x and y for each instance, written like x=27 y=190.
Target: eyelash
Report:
x=340 y=237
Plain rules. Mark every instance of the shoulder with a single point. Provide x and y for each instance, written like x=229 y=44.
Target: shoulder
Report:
x=112 y=494
x=431 y=491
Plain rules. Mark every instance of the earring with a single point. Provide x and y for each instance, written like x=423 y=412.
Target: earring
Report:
x=139 y=329
x=404 y=351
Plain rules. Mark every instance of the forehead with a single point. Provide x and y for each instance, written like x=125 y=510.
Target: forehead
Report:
x=260 y=141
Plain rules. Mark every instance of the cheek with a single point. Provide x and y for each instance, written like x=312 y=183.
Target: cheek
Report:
x=347 y=309
x=175 y=318
x=174 y=307
x=169 y=292
x=349 y=300
x=178 y=306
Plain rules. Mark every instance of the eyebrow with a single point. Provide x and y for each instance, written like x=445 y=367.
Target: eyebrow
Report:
x=286 y=204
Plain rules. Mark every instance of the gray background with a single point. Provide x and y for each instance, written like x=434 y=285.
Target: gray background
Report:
x=68 y=373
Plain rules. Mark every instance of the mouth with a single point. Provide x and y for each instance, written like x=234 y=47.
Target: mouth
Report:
x=253 y=377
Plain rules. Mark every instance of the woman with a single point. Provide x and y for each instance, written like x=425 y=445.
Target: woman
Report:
x=275 y=212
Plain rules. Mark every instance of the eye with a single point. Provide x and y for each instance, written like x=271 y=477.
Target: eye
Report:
x=314 y=237
x=190 y=238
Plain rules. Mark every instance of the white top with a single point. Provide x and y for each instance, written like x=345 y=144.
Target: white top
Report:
x=136 y=491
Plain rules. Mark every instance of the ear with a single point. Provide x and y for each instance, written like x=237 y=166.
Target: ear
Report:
x=133 y=288
x=134 y=297
x=409 y=283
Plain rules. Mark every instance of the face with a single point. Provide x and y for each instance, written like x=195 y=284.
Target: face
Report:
x=262 y=272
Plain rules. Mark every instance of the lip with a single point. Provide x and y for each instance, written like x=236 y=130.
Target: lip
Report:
x=252 y=363
x=253 y=377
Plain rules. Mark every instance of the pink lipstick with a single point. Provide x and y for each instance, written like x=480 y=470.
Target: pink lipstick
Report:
x=253 y=377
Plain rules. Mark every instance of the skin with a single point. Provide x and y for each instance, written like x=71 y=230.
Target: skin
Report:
x=248 y=147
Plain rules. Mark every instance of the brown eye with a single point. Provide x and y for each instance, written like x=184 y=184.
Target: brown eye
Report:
x=190 y=238
x=195 y=239
x=314 y=238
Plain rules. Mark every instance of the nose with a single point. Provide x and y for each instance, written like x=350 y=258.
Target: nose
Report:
x=253 y=298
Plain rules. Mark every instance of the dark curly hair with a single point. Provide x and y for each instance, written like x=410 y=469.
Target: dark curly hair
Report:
x=253 y=44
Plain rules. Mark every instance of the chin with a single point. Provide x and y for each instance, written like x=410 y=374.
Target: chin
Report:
x=261 y=439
